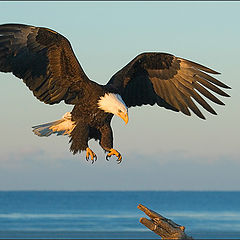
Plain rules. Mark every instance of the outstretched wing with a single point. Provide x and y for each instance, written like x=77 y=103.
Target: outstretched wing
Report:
x=169 y=81
x=44 y=60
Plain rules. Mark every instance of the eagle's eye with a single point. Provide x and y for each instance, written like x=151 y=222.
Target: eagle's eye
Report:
x=119 y=110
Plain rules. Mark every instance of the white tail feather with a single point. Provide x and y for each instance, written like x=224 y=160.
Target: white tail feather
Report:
x=63 y=126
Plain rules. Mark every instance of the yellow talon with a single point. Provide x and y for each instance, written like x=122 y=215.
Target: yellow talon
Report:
x=116 y=153
x=92 y=155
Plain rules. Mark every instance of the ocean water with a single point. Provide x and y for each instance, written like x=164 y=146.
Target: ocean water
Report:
x=114 y=214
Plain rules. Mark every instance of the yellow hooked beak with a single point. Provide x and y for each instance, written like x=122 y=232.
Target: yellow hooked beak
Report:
x=124 y=116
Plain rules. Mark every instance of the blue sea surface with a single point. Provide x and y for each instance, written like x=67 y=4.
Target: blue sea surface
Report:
x=114 y=214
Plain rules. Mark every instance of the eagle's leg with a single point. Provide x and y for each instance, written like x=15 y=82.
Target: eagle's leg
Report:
x=91 y=154
x=116 y=153
x=79 y=139
x=106 y=142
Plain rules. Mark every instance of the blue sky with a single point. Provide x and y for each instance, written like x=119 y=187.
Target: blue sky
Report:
x=162 y=150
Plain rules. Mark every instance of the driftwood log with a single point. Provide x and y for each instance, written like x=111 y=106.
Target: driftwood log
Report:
x=165 y=228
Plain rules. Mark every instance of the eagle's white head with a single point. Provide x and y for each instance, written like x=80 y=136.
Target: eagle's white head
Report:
x=113 y=103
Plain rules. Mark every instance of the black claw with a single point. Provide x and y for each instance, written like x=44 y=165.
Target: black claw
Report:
x=94 y=158
x=119 y=160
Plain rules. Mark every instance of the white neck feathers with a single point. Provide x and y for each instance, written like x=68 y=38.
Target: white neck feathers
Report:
x=111 y=102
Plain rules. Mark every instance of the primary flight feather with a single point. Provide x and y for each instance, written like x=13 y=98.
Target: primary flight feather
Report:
x=46 y=63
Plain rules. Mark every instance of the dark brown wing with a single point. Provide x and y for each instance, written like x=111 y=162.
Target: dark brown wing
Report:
x=44 y=60
x=169 y=81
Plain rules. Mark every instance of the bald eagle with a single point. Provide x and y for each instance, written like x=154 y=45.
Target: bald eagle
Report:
x=46 y=63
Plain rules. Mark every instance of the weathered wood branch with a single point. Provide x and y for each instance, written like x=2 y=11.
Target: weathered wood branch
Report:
x=165 y=228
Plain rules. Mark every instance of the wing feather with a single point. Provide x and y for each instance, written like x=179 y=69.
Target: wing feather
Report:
x=195 y=109
x=188 y=90
x=198 y=66
x=188 y=98
x=177 y=100
x=207 y=94
x=180 y=99
x=211 y=86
